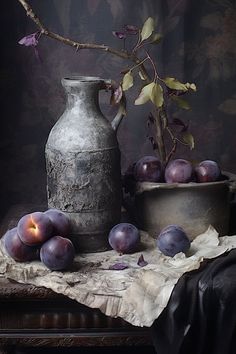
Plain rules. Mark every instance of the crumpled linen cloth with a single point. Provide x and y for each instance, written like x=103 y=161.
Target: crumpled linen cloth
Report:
x=136 y=294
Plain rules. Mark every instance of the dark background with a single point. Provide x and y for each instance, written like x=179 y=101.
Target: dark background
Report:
x=198 y=46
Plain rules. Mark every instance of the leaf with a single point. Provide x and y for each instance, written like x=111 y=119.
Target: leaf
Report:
x=182 y=103
x=141 y=75
x=174 y=84
x=191 y=86
x=128 y=81
x=157 y=95
x=147 y=29
x=145 y=94
x=188 y=139
x=156 y=38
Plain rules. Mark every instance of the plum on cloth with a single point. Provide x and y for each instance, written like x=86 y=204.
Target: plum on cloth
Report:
x=137 y=294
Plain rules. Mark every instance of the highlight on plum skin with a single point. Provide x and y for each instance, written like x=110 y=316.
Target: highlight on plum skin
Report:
x=207 y=171
x=172 y=240
x=124 y=238
x=57 y=253
x=35 y=228
x=60 y=222
x=179 y=171
x=16 y=249
x=148 y=169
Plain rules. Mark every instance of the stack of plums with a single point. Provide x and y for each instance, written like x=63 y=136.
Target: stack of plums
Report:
x=149 y=169
x=41 y=235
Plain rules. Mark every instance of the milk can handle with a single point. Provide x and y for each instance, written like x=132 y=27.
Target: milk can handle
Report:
x=108 y=84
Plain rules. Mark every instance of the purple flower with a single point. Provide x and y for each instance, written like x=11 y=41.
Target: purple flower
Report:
x=31 y=40
x=130 y=29
x=120 y=35
x=116 y=95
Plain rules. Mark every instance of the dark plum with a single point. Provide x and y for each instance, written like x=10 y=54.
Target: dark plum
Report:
x=57 y=253
x=124 y=238
x=60 y=222
x=35 y=228
x=148 y=169
x=172 y=240
x=207 y=171
x=179 y=171
x=16 y=249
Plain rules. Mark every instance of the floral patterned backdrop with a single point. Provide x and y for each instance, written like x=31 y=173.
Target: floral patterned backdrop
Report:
x=198 y=46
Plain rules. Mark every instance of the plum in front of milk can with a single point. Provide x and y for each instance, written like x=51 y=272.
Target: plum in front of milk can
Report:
x=172 y=240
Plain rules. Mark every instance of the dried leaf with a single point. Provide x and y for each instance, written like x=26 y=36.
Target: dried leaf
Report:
x=156 y=38
x=147 y=29
x=182 y=103
x=128 y=81
x=178 y=121
x=157 y=95
x=141 y=261
x=188 y=139
x=174 y=84
x=118 y=266
x=191 y=86
x=141 y=75
x=145 y=94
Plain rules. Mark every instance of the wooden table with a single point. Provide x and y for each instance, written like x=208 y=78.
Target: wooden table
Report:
x=38 y=317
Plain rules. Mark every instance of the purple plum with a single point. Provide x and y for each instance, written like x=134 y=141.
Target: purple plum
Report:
x=207 y=171
x=60 y=222
x=16 y=249
x=172 y=240
x=179 y=171
x=124 y=238
x=148 y=169
x=57 y=253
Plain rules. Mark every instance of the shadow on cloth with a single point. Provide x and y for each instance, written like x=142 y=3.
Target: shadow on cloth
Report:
x=201 y=314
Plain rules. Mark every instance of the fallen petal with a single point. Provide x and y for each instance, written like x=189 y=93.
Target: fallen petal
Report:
x=141 y=261
x=119 y=266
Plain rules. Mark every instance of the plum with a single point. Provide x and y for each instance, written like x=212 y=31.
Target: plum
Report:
x=124 y=238
x=57 y=253
x=207 y=171
x=17 y=249
x=148 y=169
x=179 y=171
x=172 y=240
x=60 y=222
x=35 y=228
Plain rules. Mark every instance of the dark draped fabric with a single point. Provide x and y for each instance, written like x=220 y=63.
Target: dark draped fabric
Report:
x=201 y=314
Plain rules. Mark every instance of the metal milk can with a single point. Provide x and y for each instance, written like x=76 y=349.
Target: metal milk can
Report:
x=83 y=165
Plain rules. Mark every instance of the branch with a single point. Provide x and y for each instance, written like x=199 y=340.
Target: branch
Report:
x=77 y=45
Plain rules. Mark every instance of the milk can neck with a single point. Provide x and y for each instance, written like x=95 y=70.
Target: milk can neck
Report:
x=82 y=92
